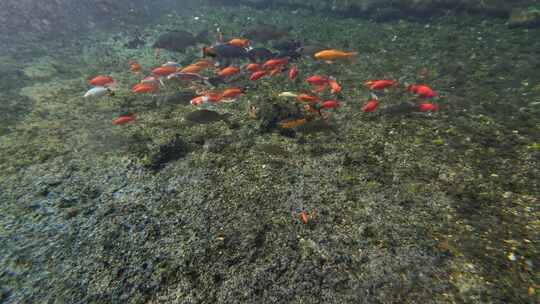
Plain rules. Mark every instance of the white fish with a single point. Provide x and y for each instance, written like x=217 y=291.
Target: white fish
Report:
x=287 y=94
x=97 y=92
x=171 y=64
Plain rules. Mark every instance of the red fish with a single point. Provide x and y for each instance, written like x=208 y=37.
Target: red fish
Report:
x=144 y=88
x=330 y=104
x=257 y=75
x=101 y=81
x=334 y=86
x=164 y=71
x=228 y=71
x=293 y=72
x=317 y=80
x=273 y=63
x=425 y=107
x=124 y=119
x=253 y=67
x=380 y=84
x=421 y=90
x=370 y=106
x=232 y=92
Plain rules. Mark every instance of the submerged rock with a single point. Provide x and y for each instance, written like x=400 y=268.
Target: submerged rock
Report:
x=520 y=17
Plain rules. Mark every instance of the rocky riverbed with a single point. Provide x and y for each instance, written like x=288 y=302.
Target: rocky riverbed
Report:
x=417 y=208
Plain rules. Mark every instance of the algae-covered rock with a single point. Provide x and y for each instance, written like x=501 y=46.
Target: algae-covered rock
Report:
x=524 y=17
x=41 y=69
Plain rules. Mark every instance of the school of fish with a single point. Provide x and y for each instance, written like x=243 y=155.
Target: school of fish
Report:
x=261 y=63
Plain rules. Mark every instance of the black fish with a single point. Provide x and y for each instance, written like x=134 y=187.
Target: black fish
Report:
x=181 y=97
x=287 y=45
x=206 y=116
x=259 y=54
x=225 y=53
x=178 y=41
x=291 y=54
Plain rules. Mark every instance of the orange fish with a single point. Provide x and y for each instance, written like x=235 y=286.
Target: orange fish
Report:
x=164 y=71
x=334 y=86
x=291 y=123
x=204 y=63
x=304 y=217
x=228 y=71
x=124 y=119
x=206 y=98
x=273 y=63
x=275 y=71
x=253 y=67
x=192 y=69
x=134 y=66
x=232 y=92
x=307 y=98
x=144 y=88
x=239 y=42
x=380 y=84
x=334 y=54
x=101 y=81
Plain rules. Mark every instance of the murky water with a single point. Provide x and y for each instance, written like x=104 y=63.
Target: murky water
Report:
x=270 y=152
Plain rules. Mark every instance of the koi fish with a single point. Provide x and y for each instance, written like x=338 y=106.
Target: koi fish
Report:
x=228 y=71
x=124 y=119
x=370 y=106
x=330 y=104
x=317 y=80
x=291 y=123
x=421 y=90
x=307 y=98
x=257 y=75
x=253 y=67
x=164 y=71
x=134 y=66
x=141 y=88
x=273 y=63
x=101 y=81
x=275 y=71
x=425 y=107
x=206 y=98
x=97 y=92
x=293 y=72
x=334 y=54
x=239 y=42
x=334 y=86
x=380 y=84
x=232 y=92
x=192 y=69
